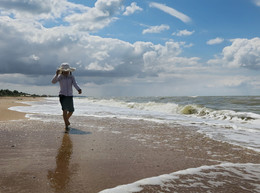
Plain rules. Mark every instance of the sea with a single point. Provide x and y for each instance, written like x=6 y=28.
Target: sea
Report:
x=230 y=119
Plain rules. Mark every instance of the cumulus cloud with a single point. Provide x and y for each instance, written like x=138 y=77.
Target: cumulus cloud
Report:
x=164 y=59
x=96 y=18
x=184 y=18
x=132 y=8
x=31 y=49
x=215 y=41
x=78 y=16
x=183 y=33
x=34 y=9
x=32 y=6
x=156 y=29
x=31 y=52
x=241 y=53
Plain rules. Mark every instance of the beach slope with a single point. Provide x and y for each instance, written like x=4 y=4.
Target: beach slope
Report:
x=103 y=153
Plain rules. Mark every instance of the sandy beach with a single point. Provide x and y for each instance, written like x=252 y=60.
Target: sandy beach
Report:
x=6 y=102
x=102 y=153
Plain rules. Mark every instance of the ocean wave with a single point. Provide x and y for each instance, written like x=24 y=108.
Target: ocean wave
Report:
x=188 y=110
x=239 y=128
x=218 y=114
x=206 y=178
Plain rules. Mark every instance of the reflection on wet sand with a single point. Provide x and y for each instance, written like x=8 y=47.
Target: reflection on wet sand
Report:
x=60 y=177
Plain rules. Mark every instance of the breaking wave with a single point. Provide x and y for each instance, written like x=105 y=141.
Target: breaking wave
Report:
x=189 y=110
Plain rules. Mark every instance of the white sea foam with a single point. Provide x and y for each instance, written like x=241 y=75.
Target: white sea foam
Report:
x=204 y=177
x=240 y=128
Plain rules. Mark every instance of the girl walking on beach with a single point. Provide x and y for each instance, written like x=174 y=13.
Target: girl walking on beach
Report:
x=66 y=80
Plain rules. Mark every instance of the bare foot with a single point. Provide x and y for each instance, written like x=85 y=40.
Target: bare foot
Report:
x=67 y=129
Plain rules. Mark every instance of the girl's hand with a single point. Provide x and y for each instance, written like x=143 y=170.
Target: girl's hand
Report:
x=80 y=91
x=57 y=72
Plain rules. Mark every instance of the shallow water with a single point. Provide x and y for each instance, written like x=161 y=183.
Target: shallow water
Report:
x=173 y=132
x=226 y=177
x=235 y=120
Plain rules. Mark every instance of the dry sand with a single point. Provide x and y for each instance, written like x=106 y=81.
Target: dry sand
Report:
x=101 y=153
x=6 y=102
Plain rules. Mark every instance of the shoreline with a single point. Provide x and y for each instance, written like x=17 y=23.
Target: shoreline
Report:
x=7 y=102
x=103 y=153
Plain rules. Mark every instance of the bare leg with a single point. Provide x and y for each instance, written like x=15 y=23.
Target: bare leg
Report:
x=65 y=117
x=69 y=115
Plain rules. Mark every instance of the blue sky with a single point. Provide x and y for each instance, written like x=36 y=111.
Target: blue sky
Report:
x=133 y=48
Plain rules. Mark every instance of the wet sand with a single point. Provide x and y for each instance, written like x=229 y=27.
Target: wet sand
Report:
x=102 y=153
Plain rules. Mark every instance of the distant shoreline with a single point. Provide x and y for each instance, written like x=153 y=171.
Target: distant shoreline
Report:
x=15 y=93
x=9 y=101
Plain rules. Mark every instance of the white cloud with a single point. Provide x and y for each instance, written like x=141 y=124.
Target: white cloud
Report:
x=132 y=8
x=78 y=16
x=34 y=57
x=95 y=66
x=171 y=11
x=34 y=9
x=32 y=6
x=183 y=33
x=98 y=60
x=156 y=29
x=164 y=59
x=91 y=55
x=234 y=81
x=30 y=53
x=215 y=41
x=241 y=53
x=96 y=18
x=257 y=2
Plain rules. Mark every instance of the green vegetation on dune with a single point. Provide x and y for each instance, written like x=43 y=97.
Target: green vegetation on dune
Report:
x=16 y=93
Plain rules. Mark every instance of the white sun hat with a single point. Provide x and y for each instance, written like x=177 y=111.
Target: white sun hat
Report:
x=66 y=68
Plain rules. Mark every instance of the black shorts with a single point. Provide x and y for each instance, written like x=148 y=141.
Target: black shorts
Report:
x=66 y=103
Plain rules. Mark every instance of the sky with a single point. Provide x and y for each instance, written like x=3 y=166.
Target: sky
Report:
x=132 y=48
